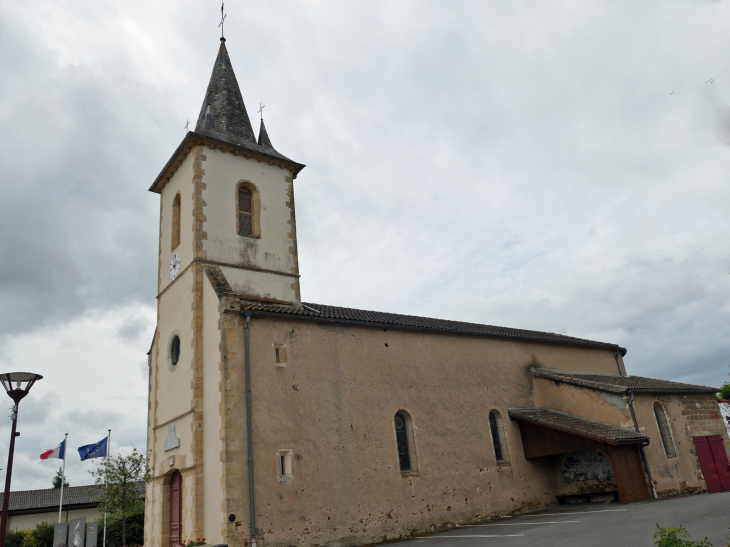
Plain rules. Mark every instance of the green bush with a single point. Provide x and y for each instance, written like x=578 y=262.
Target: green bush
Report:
x=135 y=530
x=20 y=538
x=43 y=535
x=725 y=391
x=676 y=537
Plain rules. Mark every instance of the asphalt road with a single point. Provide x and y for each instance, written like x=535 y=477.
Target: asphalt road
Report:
x=595 y=525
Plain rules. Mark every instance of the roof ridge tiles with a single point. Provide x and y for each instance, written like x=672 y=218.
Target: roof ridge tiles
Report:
x=621 y=384
x=414 y=322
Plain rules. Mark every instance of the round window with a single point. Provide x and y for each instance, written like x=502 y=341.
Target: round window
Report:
x=175 y=351
x=400 y=423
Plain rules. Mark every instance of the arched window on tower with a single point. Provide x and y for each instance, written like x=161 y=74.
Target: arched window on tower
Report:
x=664 y=431
x=248 y=207
x=176 y=221
x=245 y=212
x=499 y=439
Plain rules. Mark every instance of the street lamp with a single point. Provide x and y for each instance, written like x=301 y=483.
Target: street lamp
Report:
x=23 y=381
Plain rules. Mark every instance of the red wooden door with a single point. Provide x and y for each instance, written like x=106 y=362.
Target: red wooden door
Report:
x=720 y=456
x=175 y=509
x=713 y=461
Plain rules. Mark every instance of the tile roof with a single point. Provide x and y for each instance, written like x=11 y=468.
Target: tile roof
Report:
x=223 y=120
x=264 y=139
x=22 y=500
x=223 y=113
x=335 y=314
x=622 y=384
x=576 y=425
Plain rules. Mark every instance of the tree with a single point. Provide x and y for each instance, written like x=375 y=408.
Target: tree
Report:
x=57 y=479
x=121 y=495
x=134 y=532
x=725 y=391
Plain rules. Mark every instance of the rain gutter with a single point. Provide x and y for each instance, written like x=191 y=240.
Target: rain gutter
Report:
x=249 y=438
x=641 y=447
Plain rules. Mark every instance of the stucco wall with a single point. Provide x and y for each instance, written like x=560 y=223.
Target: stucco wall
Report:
x=171 y=389
x=275 y=250
x=333 y=405
x=262 y=284
x=212 y=446
x=688 y=415
x=589 y=403
x=174 y=386
x=180 y=183
x=28 y=522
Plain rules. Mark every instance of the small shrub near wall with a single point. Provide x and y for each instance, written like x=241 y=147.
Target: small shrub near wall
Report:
x=20 y=538
x=43 y=535
x=135 y=530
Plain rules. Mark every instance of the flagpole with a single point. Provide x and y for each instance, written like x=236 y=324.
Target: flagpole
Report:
x=108 y=450
x=63 y=478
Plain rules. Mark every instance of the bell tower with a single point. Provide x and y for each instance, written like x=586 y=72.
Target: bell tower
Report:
x=227 y=199
x=227 y=228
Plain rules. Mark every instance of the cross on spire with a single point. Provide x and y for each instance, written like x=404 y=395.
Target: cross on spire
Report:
x=223 y=18
x=261 y=110
x=187 y=124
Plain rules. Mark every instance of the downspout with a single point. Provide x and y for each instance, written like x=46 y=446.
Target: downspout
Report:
x=249 y=438
x=618 y=364
x=641 y=447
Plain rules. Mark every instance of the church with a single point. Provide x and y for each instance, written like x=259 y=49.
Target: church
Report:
x=281 y=422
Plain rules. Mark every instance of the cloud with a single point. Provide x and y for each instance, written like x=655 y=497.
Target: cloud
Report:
x=135 y=328
x=720 y=110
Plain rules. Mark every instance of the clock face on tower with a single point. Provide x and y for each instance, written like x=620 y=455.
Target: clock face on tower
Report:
x=174 y=266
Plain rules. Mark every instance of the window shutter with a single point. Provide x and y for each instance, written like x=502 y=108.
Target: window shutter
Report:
x=245 y=219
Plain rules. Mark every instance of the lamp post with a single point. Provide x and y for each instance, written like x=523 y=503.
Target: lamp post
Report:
x=23 y=382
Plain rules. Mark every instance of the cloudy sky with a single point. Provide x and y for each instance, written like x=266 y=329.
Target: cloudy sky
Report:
x=559 y=166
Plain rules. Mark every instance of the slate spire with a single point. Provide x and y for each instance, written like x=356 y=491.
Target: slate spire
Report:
x=223 y=115
x=264 y=139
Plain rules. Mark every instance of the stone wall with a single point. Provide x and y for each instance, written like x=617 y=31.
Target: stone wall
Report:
x=687 y=416
x=333 y=406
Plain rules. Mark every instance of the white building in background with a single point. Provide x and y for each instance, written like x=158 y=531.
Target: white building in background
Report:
x=28 y=508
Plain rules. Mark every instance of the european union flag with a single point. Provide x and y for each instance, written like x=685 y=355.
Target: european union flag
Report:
x=97 y=450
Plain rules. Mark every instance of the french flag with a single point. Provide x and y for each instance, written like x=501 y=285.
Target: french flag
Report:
x=57 y=452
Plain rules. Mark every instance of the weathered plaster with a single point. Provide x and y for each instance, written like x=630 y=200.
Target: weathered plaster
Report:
x=275 y=248
x=334 y=404
x=582 y=401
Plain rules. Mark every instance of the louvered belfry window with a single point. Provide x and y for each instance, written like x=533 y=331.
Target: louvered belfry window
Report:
x=176 y=222
x=245 y=216
x=664 y=432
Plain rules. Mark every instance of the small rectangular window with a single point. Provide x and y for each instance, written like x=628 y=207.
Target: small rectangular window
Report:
x=279 y=355
x=284 y=465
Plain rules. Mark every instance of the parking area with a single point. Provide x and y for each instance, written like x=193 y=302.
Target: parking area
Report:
x=596 y=525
